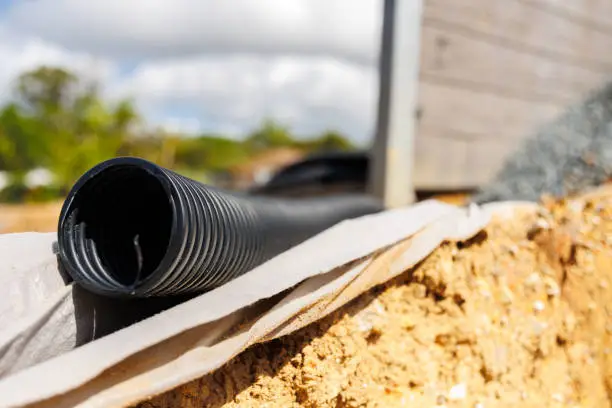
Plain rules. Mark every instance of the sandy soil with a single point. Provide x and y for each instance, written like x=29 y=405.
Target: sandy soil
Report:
x=519 y=316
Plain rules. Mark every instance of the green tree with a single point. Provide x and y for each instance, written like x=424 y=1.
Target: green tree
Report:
x=210 y=152
x=46 y=90
x=21 y=145
x=269 y=135
x=329 y=140
x=75 y=128
x=59 y=121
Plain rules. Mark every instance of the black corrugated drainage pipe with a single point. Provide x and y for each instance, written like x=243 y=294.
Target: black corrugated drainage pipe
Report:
x=132 y=228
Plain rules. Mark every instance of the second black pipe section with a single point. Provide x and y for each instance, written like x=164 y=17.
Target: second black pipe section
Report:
x=132 y=228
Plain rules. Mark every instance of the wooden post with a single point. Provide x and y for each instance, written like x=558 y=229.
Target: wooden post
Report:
x=393 y=150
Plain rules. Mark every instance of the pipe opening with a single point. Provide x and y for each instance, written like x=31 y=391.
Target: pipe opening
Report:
x=127 y=217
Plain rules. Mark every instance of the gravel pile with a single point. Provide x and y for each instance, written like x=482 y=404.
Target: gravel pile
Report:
x=565 y=157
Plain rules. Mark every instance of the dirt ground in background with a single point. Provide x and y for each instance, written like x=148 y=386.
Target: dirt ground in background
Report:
x=43 y=217
x=29 y=217
x=519 y=316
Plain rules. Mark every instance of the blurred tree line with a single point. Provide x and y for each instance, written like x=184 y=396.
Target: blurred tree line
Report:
x=59 y=122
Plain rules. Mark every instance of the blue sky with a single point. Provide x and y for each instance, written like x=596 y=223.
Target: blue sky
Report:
x=209 y=65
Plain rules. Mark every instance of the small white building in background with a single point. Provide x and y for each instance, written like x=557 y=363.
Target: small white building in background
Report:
x=38 y=177
x=4 y=179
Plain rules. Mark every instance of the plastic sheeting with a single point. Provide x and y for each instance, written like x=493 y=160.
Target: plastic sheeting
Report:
x=62 y=346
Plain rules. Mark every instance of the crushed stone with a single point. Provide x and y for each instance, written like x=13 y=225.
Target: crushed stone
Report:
x=566 y=156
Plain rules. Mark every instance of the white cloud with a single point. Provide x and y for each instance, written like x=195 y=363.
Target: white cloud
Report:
x=152 y=28
x=211 y=65
x=235 y=93
x=19 y=55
